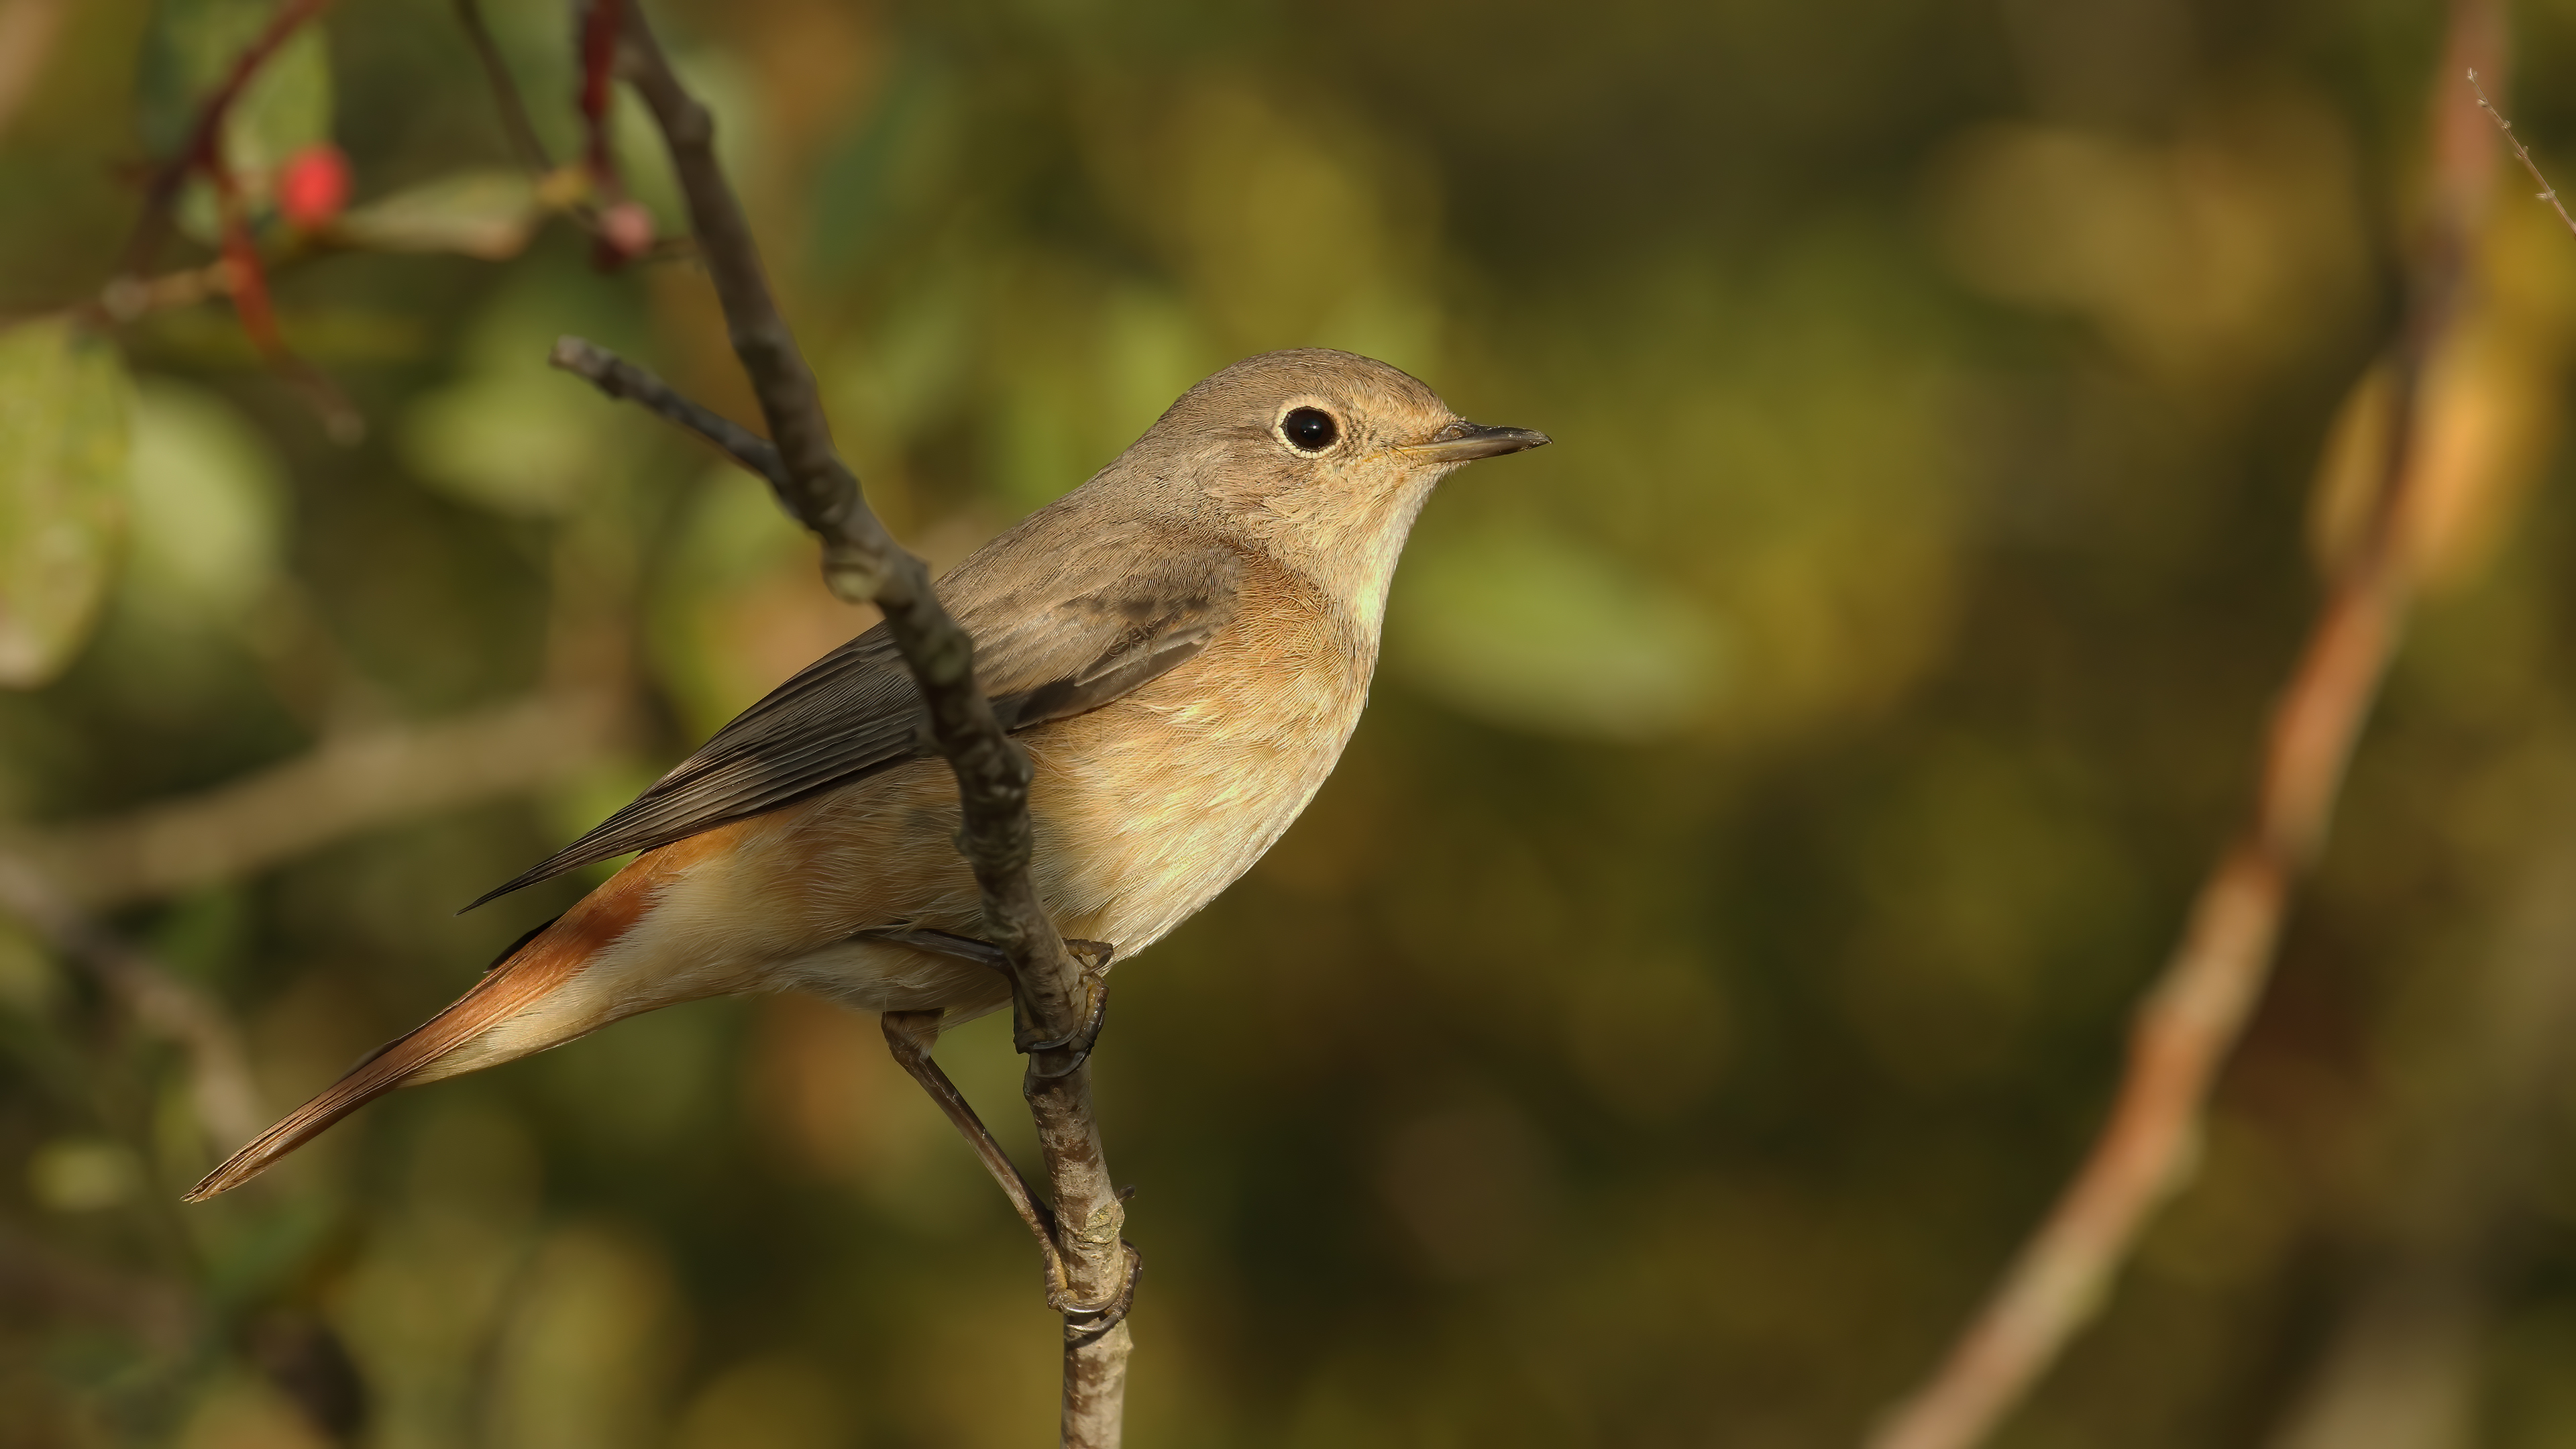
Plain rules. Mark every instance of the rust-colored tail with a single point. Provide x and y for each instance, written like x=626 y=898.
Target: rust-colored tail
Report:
x=537 y=969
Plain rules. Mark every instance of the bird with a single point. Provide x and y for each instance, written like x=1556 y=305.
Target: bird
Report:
x=1182 y=645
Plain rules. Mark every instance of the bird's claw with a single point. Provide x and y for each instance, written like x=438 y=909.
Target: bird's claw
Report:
x=1095 y=983
x=1084 y=1323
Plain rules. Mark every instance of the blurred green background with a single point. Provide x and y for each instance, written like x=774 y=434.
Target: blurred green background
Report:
x=1716 y=945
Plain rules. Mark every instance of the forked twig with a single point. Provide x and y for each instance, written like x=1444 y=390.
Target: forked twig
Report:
x=862 y=562
x=2198 y=1008
x=205 y=137
x=202 y=153
x=619 y=378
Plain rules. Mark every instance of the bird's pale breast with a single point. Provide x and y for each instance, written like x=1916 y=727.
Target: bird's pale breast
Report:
x=1144 y=809
x=1150 y=806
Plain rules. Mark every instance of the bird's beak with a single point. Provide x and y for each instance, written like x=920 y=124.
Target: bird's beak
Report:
x=1465 y=442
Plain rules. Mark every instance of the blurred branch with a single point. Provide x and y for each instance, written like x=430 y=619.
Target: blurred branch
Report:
x=357 y=782
x=575 y=191
x=203 y=154
x=227 y=1103
x=1054 y=1000
x=505 y=90
x=28 y=30
x=203 y=148
x=600 y=24
x=2196 y=1011
x=248 y=277
x=130 y=297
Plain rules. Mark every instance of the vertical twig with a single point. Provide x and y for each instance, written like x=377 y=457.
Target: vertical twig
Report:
x=862 y=562
x=600 y=23
x=248 y=286
x=128 y=295
x=2196 y=1011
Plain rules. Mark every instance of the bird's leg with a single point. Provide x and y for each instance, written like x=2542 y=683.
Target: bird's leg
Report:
x=910 y=1036
x=1095 y=956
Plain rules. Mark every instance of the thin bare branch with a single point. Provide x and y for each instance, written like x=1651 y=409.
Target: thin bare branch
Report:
x=2522 y=153
x=619 y=378
x=2197 y=1010
x=505 y=89
x=1052 y=997
x=861 y=561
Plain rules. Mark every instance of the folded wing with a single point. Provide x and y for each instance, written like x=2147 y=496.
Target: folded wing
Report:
x=1061 y=626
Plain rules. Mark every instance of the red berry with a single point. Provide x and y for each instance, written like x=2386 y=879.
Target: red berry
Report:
x=626 y=229
x=312 y=186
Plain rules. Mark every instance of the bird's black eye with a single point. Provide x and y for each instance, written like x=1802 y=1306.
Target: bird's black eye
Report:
x=1309 y=430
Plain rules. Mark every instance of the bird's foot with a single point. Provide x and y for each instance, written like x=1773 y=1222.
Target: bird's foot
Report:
x=1086 y=1322
x=1094 y=957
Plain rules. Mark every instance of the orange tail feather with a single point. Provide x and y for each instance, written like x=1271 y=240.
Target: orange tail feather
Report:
x=538 y=968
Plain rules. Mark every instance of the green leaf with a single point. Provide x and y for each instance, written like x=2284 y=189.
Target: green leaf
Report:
x=210 y=509
x=285 y=108
x=487 y=214
x=65 y=406
x=1531 y=628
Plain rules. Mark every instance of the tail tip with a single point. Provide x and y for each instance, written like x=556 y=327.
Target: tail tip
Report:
x=209 y=1186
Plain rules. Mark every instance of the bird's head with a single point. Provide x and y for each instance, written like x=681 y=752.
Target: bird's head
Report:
x=1319 y=455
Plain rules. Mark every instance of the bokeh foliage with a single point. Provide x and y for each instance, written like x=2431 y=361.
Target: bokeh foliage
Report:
x=1714 y=948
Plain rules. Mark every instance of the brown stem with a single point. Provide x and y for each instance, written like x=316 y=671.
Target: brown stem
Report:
x=249 y=290
x=2197 y=1009
x=162 y=192
x=505 y=90
x=862 y=562
x=599 y=27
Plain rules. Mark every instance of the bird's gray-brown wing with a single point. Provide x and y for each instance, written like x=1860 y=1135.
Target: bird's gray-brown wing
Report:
x=1053 y=637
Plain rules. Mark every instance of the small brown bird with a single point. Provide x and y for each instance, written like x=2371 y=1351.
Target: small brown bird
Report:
x=1182 y=645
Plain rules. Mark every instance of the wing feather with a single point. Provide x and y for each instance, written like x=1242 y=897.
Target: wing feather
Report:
x=1060 y=644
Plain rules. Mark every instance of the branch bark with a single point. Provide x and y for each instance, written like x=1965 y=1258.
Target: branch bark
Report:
x=361 y=780
x=1051 y=995
x=2196 y=1011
